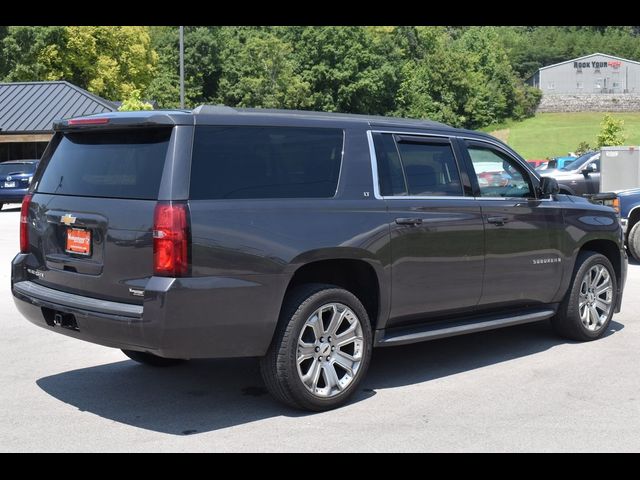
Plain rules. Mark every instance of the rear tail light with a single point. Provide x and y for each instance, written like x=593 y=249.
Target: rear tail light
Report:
x=24 y=224
x=171 y=240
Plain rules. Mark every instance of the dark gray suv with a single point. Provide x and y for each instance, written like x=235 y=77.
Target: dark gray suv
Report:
x=302 y=238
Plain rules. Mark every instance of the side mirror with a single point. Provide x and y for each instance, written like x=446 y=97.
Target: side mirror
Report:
x=548 y=186
x=591 y=168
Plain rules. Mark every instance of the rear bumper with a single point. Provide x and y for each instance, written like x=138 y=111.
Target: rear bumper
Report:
x=202 y=317
x=12 y=195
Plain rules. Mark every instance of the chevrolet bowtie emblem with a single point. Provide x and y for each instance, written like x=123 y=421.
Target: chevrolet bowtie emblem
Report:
x=68 y=219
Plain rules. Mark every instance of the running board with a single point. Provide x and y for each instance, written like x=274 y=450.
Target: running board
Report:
x=433 y=331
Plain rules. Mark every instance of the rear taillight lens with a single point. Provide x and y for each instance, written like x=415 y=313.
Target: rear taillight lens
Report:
x=24 y=224
x=171 y=240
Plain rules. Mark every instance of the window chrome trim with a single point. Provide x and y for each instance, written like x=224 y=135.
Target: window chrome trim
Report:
x=376 y=179
x=523 y=162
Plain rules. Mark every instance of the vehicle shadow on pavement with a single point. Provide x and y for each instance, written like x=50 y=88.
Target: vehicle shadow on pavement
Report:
x=421 y=362
x=206 y=395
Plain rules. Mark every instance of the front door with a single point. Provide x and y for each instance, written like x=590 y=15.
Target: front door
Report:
x=593 y=176
x=523 y=233
x=437 y=232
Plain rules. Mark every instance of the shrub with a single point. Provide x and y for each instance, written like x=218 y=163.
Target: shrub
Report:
x=611 y=132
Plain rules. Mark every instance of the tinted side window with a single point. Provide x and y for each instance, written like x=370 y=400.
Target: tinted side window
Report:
x=265 y=162
x=390 y=173
x=126 y=164
x=499 y=175
x=430 y=169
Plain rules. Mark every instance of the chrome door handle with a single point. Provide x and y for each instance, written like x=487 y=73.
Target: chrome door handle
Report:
x=409 y=221
x=499 y=221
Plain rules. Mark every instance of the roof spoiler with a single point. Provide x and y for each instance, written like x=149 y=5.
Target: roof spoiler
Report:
x=114 y=121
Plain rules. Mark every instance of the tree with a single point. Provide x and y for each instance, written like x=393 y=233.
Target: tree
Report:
x=21 y=48
x=464 y=80
x=345 y=67
x=441 y=94
x=582 y=148
x=258 y=71
x=611 y=132
x=202 y=49
x=110 y=61
x=134 y=103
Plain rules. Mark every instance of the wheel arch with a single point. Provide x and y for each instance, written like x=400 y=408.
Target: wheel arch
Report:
x=609 y=249
x=360 y=274
x=633 y=218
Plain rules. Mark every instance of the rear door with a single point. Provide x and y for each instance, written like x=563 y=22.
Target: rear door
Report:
x=92 y=211
x=523 y=233
x=437 y=237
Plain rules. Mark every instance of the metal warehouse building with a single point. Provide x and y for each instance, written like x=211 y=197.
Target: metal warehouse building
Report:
x=28 y=109
x=595 y=73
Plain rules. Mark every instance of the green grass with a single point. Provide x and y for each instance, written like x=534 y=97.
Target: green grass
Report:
x=556 y=134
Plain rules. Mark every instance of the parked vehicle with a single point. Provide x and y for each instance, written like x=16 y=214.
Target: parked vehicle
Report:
x=302 y=238
x=581 y=177
x=560 y=162
x=627 y=204
x=15 y=177
x=538 y=163
x=619 y=168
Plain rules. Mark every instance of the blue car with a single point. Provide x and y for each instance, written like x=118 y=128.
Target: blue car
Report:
x=15 y=177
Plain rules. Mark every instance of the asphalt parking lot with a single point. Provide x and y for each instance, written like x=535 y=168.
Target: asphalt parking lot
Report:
x=516 y=389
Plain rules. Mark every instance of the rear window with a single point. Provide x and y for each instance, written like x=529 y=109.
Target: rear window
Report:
x=125 y=164
x=16 y=168
x=265 y=162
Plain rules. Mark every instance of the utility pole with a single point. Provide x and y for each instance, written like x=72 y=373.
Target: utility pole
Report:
x=181 y=67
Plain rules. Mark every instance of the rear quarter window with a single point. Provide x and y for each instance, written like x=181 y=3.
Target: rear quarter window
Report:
x=119 y=164
x=265 y=162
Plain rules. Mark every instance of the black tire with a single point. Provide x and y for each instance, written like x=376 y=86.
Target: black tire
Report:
x=147 y=358
x=279 y=366
x=567 y=321
x=633 y=241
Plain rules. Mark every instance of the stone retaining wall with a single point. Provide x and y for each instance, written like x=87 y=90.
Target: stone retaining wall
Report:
x=597 y=102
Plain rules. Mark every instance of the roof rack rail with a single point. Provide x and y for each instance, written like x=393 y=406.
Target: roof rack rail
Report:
x=213 y=109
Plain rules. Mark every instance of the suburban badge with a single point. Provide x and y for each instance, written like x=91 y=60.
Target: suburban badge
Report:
x=537 y=261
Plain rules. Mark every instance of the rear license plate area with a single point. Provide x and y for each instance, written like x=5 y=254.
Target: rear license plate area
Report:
x=78 y=241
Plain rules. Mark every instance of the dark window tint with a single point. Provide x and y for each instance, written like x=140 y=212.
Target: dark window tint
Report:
x=126 y=164
x=430 y=169
x=390 y=174
x=265 y=162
